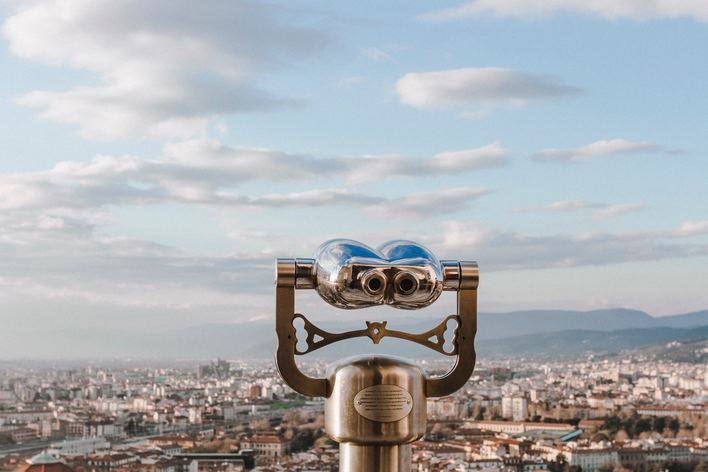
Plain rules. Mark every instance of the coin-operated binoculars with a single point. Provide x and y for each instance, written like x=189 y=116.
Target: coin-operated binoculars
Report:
x=375 y=406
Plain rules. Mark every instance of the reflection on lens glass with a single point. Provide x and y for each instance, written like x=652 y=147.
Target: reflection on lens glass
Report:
x=406 y=285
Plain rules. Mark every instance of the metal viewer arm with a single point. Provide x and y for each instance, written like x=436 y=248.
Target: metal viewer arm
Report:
x=285 y=355
x=467 y=315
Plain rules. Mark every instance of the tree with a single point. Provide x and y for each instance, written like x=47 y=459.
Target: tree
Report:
x=641 y=426
x=659 y=424
x=670 y=467
x=478 y=412
x=612 y=424
x=613 y=468
x=621 y=435
x=560 y=464
x=674 y=425
x=303 y=441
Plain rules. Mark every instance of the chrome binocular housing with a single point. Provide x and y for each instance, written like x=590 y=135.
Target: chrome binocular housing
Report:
x=401 y=274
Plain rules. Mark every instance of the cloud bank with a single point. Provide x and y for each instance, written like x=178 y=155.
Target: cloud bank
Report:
x=71 y=198
x=602 y=148
x=164 y=67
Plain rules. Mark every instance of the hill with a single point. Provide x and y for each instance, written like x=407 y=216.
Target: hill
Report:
x=577 y=342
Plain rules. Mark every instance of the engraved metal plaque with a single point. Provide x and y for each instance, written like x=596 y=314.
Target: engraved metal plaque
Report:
x=383 y=403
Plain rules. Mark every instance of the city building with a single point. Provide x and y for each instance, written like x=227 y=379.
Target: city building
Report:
x=267 y=445
x=514 y=407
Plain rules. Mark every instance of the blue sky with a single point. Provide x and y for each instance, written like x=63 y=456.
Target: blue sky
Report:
x=157 y=156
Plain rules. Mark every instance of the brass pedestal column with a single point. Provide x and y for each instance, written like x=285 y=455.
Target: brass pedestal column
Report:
x=376 y=408
x=392 y=458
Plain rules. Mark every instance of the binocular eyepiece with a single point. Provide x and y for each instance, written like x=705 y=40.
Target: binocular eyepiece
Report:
x=388 y=285
x=401 y=274
x=374 y=282
x=405 y=283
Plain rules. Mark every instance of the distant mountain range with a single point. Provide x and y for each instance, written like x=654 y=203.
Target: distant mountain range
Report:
x=536 y=332
x=580 y=341
x=519 y=323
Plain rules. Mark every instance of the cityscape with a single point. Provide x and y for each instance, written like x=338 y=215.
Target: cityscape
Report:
x=618 y=413
x=500 y=205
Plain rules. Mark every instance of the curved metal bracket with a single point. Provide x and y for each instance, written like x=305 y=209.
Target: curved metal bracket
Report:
x=285 y=354
x=317 y=337
x=460 y=373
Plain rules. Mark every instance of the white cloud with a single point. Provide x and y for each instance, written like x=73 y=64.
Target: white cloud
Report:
x=602 y=211
x=315 y=198
x=205 y=172
x=429 y=204
x=491 y=155
x=376 y=54
x=564 y=205
x=483 y=87
x=350 y=81
x=241 y=164
x=605 y=147
x=416 y=204
x=165 y=67
x=377 y=167
x=691 y=228
x=210 y=159
x=72 y=196
x=613 y=211
x=609 y=9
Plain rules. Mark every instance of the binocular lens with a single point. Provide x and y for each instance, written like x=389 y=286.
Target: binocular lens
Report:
x=406 y=283
x=373 y=282
x=375 y=285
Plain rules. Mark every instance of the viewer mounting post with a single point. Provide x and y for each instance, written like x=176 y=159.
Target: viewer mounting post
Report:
x=375 y=405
